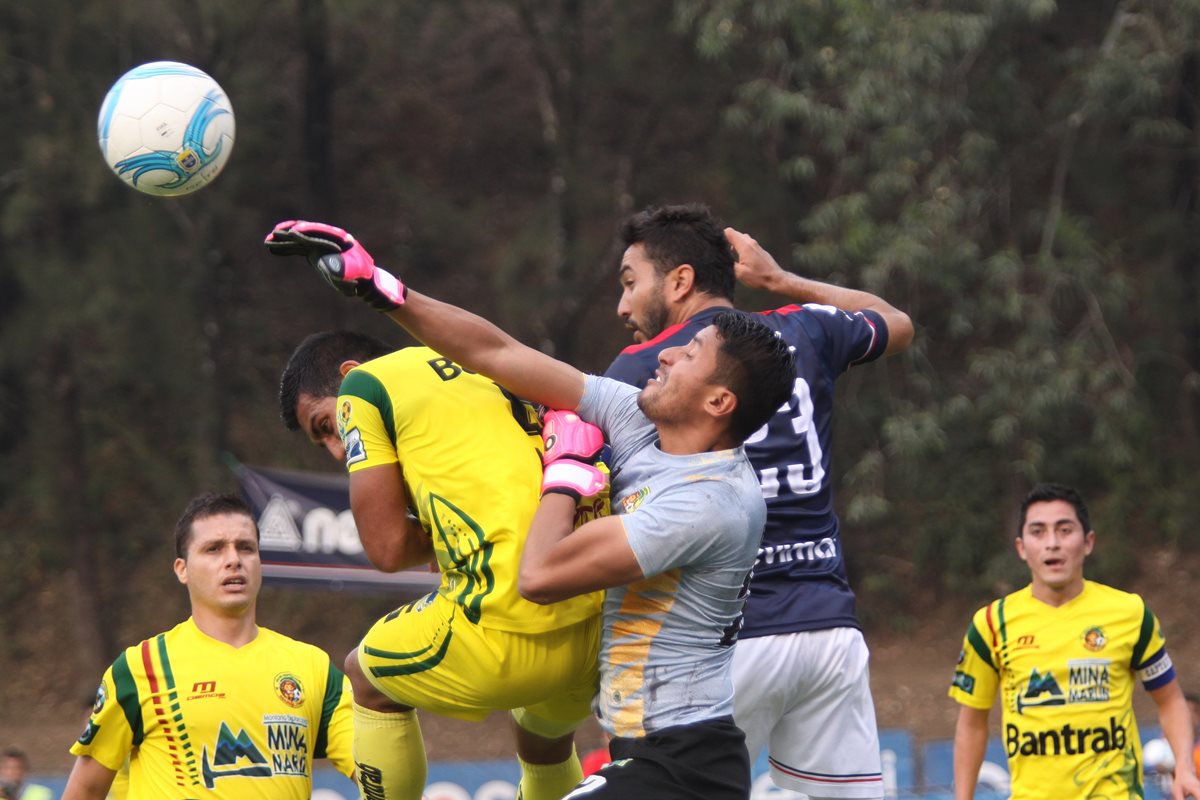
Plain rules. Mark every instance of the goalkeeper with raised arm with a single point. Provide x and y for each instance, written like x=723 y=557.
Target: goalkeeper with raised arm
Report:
x=675 y=556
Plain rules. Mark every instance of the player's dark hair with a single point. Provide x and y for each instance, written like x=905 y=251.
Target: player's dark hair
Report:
x=203 y=507
x=313 y=368
x=685 y=234
x=756 y=365
x=16 y=753
x=1048 y=493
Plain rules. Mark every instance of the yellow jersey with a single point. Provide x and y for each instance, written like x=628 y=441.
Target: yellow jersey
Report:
x=470 y=453
x=199 y=719
x=1066 y=677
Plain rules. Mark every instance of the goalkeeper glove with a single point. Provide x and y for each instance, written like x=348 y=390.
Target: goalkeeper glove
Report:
x=340 y=260
x=572 y=449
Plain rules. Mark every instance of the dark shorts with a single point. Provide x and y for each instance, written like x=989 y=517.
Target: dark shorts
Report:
x=705 y=761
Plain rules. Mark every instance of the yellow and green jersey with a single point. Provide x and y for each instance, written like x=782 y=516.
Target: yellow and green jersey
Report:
x=199 y=719
x=1066 y=678
x=470 y=454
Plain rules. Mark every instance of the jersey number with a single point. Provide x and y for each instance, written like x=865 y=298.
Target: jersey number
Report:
x=805 y=477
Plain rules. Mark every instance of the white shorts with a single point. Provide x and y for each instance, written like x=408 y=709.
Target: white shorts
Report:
x=807 y=697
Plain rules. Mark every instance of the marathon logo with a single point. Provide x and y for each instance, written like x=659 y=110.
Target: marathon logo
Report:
x=1067 y=740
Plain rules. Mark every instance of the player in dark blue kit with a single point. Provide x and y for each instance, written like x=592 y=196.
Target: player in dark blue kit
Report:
x=800 y=666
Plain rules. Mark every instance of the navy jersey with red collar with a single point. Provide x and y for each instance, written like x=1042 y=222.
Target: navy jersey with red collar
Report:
x=799 y=579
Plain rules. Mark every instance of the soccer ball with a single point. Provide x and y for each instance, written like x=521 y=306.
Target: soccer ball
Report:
x=166 y=128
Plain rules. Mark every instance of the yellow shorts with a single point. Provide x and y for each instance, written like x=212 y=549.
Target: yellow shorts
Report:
x=429 y=656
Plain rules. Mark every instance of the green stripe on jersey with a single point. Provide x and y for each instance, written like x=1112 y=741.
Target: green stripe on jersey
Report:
x=418 y=666
x=980 y=646
x=1003 y=628
x=127 y=696
x=365 y=386
x=480 y=580
x=1144 y=636
x=333 y=696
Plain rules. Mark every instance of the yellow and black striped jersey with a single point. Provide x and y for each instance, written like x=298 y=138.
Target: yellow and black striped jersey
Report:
x=470 y=454
x=200 y=719
x=1066 y=678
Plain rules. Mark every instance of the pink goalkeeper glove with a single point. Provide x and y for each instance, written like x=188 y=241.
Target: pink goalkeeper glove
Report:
x=572 y=448
x=340 y=260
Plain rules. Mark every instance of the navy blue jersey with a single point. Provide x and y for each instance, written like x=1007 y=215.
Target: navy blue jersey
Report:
x=800 y=579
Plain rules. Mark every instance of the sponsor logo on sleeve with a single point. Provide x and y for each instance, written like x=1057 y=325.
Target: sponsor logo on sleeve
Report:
x=352 y=441
x=964 y=681
x=101 y=697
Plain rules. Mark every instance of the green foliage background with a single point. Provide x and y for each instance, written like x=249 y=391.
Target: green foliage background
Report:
x=1020 y=176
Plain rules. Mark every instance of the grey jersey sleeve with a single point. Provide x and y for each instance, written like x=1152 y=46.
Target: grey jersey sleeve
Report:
x=612 y=406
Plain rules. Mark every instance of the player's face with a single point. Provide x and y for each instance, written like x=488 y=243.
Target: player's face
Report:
x=642 y=307
x=683 y=379
x=318 y=420
x=1054 y=545
x=222 y=571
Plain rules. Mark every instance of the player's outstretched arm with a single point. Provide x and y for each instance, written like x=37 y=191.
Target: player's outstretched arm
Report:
x=480 y=346
x=89 y=780
x=1176 y=721
x=457 y=334
x=970 y=743
x=758 y=269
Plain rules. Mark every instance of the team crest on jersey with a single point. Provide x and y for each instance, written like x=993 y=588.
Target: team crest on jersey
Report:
x=343 y=419
x=630 y=502
x=289 y=690
x=1094 y=639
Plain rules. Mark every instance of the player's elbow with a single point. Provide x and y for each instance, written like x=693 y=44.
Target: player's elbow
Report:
x=900 y=331
x=535 y=585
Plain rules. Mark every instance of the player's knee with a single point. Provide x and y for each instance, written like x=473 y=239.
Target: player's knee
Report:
x=365 y=693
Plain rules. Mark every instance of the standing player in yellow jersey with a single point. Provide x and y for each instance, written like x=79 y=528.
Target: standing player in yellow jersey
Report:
x=1065 y=652
x=216 y=707
x=445 y=465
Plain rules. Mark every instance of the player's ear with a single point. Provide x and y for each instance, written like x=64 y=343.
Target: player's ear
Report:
x=181 y=570
x=680 y=282
x=1020 y=543
x=347 y=365
x=720 y=401
x=1089 y=541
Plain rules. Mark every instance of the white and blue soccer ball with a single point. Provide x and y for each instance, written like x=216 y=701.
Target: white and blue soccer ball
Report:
x=166 y=128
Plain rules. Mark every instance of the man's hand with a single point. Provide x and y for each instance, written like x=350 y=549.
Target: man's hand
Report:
x=340 y=260
x=755 y=267
x=572 y=449
x=1185 y=783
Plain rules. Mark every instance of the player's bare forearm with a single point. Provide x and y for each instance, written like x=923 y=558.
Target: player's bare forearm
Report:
x=89 y=780
x=970 y=743
x=757 y=269
x=559 y=562
x=480 y=346
x=1175 y=718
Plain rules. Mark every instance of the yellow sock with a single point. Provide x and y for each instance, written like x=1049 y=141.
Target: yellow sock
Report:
x=549 y=781
x=389 y=754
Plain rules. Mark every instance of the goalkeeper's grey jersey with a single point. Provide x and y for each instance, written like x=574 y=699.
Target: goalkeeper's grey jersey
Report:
x=694 y=523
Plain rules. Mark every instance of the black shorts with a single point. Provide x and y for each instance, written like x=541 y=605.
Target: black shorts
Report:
x=704 y=761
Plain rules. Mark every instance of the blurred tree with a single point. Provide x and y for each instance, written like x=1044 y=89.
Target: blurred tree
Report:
x=978 y=164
